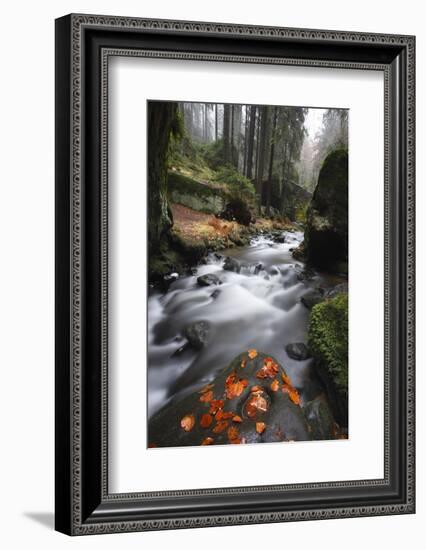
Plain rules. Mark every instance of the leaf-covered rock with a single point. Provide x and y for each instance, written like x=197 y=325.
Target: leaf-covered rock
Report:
x=236 y=407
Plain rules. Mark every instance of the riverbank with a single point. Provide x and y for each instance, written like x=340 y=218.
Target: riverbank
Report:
x=194 y=234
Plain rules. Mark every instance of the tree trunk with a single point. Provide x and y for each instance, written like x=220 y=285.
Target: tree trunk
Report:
x=271 y=164
x=161 y=123
x=206 y=122
x=215 y=121
x=283 y=177
x=250 y=144
x=232 y=136
x=259 y=116
x=262 y=153
x=226 y=116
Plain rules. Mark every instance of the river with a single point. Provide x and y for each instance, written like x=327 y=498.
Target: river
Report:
x=259 y=307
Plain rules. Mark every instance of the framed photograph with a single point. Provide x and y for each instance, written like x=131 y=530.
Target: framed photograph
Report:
x=234 y=274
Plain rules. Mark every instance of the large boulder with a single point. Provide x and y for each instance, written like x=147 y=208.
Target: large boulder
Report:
x=326 y=232
x=252 y=400
x=194 y=194
x=237 y=210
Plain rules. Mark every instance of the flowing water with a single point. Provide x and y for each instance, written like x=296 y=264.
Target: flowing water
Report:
x=257 y=308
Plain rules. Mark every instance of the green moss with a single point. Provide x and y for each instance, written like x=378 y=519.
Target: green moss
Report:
x=328 y=338
x=185 y=184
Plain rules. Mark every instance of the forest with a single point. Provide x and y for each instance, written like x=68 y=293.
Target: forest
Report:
x=248 y=271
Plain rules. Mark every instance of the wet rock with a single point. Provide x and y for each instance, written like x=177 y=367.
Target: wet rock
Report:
x=215 y=293
x=326 y=233
x=312 y=298
x=261 y=414
x=258 y=268
x=320 y=418
x=197 y=334
x=341 y=288
x=273 y=270
x=231 y=264
x=299 y=252
x=298 y=351
x=279 y=238
x=304 y=273
x=208 y=280
x=181 y=350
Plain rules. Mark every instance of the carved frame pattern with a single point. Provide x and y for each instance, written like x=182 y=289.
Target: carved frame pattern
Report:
x=78 y=23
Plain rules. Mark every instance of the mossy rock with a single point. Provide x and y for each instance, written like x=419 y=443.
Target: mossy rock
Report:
x=194 y=194
x=237 y=209
x=283 y=418
x=192 y=250
x=326 y=233
x=162 y=262
x=328 y=342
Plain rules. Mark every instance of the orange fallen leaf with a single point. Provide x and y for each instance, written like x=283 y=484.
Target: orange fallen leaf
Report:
x=292 y=393
x=216 y=405
x=286 y=379
x=220 y=426
x=254 y=389
x=207 y=441
x=252 y=353
x=206 y=388
x=235 y=389
x=187 y=422
x=222 y=415
x=207 y=396
x=275 y=385
x=206 y=420
x=260 y=427
x=294 y=396
x=269 y=369
x=237 y=418
x=233 y=433
x=230 y=379
x=257 y=404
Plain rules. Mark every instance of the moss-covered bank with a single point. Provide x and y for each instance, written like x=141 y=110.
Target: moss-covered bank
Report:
x=195 y=194
x=328 y=342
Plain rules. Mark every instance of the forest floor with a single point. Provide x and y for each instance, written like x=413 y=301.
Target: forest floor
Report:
x=192 y=225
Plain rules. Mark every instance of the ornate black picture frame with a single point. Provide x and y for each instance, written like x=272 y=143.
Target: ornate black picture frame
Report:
x=83 y=45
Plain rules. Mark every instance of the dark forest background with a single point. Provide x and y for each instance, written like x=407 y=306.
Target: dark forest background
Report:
x=240 y=163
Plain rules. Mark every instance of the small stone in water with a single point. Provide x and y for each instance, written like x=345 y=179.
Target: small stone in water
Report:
x=298 y=351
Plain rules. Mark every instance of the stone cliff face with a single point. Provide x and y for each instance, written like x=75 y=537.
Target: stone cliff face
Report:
x=326 y=234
